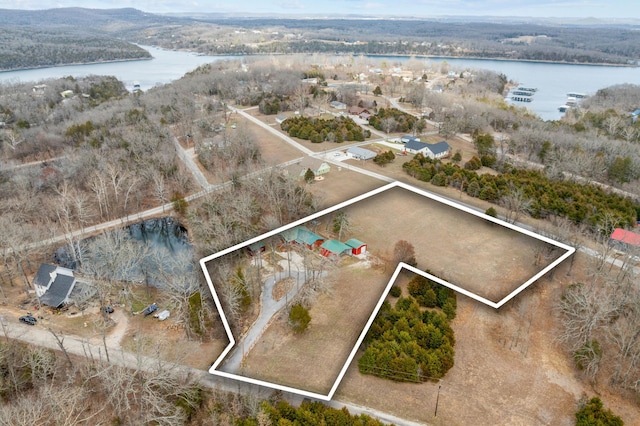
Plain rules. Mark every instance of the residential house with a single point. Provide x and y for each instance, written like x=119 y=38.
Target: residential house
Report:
x=439 y=150
x=625 y=240
x=318 y=167
x=360 y=153
x=362 y=113
x=301 y=235
x=415 y=147
x=357 y=246
x=433 y=151
x=280 y=118
x=53 y=285
x=334 y=249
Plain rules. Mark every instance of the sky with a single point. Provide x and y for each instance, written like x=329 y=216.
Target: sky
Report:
x=413 y=8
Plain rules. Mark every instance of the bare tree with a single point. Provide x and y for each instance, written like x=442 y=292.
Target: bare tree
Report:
x=515 y=203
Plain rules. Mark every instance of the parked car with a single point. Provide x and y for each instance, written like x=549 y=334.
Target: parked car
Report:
x=150 y=309
x=107 y=309
x=28 y=319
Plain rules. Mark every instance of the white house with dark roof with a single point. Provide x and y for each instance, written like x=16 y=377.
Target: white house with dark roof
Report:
x=53 y=285
x=416 y=147
x=439 y=150
x=433 y=151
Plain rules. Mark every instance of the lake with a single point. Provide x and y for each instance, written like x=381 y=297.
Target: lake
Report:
x=553 y=81
x=165 y=67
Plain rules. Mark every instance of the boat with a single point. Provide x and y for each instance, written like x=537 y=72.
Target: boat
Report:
x=563 y=108
x=522 y=98
x=572 y=101
x=136 y=87
x=522 y=93
x=576 y=95
x=527 y=89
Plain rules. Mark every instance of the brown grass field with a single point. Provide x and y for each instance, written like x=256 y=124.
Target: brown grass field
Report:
x=509 y=369
x=454 y=245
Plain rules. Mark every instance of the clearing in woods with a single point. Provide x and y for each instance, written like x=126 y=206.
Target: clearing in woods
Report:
x=484 y=258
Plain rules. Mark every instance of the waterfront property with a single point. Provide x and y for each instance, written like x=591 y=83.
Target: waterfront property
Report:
x=56 y=286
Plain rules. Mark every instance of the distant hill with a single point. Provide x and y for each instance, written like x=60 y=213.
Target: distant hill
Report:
x=81 y=18
x=41 y=38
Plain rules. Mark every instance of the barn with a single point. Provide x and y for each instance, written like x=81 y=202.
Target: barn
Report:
x=357 y=246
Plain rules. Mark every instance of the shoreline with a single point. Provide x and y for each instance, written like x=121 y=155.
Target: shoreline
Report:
x=372 y=55
x=76 y=63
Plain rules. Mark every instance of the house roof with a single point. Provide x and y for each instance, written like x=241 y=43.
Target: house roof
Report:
x=416 y=145
x=307 y=237
x=43 y=276
x=312 y=163
x=58 y=291
x=354 y=243
x=364 y=154
x=439 y=148
x=301 y=235
x=335 y=246
x=626 y=237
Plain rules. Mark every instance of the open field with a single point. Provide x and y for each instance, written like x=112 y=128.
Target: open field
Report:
x=479 y=256
x=468 y=251
x=509 y=369
x=320 y=352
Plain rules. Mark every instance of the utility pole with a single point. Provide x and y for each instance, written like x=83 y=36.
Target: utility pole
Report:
x=435 y=413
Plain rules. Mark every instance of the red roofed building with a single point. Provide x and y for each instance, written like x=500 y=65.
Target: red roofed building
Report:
x=624 y=239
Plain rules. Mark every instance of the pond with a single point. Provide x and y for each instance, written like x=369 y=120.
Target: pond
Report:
x=152 y=252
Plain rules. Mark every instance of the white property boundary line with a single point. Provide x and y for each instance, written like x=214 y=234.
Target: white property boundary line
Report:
x=401 y=265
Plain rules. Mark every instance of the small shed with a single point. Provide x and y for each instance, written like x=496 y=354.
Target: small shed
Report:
x=357 y=246
x=334 y=249
x=255 y=248
x=338 y=105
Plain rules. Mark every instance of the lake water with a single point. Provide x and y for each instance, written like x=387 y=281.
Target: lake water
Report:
x=165 y=67
x=553 y=81
x=161 y=245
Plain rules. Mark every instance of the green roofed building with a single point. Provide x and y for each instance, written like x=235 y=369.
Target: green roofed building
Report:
x=303 y=236
x=334 y=248
x=357 y=246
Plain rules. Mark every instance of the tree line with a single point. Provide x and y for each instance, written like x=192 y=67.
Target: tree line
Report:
x=42 y=386
x=534 y=193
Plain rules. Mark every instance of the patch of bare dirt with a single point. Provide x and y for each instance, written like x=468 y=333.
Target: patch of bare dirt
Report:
x=282 y=287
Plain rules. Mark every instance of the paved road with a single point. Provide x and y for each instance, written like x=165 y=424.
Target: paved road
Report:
x=37 y=335
x=269 y=307
x=187 y=160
